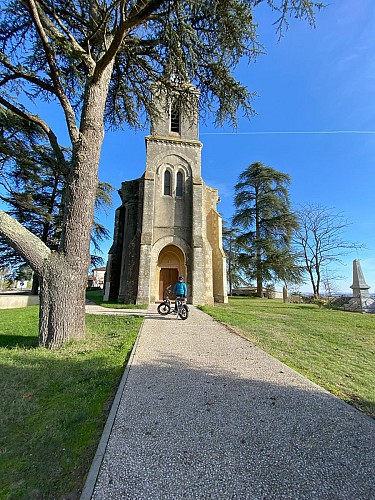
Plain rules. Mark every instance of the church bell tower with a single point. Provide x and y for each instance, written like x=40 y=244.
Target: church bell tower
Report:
x=168 y=224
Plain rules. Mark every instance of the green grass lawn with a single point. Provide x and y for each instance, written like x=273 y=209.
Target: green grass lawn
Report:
x=54 y=404
x=334 y=349
x=97 y=297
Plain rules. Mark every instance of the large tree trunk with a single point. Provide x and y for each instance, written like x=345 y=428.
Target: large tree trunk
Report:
x=35 y=285
x=259 y=269
x=62 y=303
x=230 y=269
x=64 y=278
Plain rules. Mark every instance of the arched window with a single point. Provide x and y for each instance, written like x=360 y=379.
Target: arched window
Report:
x=179 y=184
x=167 y=183
x=175 y=118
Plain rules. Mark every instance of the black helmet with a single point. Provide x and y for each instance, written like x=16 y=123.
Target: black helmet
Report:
x=181 y=278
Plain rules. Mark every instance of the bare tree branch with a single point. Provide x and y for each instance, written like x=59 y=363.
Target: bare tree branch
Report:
x=320 y=241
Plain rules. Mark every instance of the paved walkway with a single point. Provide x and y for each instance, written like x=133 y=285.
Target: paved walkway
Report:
x=203 y=414
x=92 y=308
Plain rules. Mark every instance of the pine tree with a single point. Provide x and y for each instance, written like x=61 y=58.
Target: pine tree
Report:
x=32 y=181
x=267 y=223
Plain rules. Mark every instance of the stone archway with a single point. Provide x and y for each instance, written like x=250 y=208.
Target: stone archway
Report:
x=171 y=264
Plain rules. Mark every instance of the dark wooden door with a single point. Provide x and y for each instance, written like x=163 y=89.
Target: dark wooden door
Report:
x=168 y=276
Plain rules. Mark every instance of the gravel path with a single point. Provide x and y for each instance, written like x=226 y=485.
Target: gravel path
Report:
x=203 y=414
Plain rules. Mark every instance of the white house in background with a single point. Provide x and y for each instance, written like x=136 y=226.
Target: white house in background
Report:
x=96 y=280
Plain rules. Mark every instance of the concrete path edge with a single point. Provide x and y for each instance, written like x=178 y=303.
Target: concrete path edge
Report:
x=98 y=457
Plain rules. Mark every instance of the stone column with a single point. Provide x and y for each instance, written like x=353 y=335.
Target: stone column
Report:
x=202 y=270
x=113 y=272
x=107 y=283
x=214 y=235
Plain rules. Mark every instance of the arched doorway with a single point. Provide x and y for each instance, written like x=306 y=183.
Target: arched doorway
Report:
x=171 y=264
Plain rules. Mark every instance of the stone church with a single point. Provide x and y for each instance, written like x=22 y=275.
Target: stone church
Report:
x=168 y=224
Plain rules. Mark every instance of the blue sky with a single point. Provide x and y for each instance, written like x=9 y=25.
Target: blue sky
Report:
x=315 y=121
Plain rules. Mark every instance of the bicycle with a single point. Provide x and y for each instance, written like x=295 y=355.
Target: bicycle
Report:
x=181 y=310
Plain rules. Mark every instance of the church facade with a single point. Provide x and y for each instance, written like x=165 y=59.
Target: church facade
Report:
x=168 y=224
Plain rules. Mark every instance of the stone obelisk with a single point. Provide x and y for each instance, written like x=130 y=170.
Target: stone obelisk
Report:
x=361 y=301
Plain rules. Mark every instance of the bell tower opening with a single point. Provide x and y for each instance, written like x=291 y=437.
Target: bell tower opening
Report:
x=175 y=124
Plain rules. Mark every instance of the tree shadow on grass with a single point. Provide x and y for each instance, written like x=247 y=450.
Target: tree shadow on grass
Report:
x=53 y=411
x=9 y=341
x=210 y=428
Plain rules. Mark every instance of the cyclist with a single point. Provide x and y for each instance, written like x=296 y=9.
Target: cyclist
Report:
x=180 y=289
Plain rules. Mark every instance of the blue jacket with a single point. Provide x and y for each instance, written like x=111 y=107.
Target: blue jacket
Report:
x=180 y=288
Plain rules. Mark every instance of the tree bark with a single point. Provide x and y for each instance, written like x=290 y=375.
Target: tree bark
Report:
x=35 y=285
x=259 y=270
x=62 y=303
x=230 y=265
x=64 y=278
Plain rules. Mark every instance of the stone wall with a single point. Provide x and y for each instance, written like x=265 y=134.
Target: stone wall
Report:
x=10 y=301
x=214 y=235
x=131 y=195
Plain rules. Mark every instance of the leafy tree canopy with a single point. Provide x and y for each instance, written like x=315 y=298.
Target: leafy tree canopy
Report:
x=264 y=216
x=32 y=181
x=237 y=271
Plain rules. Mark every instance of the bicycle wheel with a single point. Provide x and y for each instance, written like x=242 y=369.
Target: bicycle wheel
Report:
x=183 y=312
x=164 y=309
